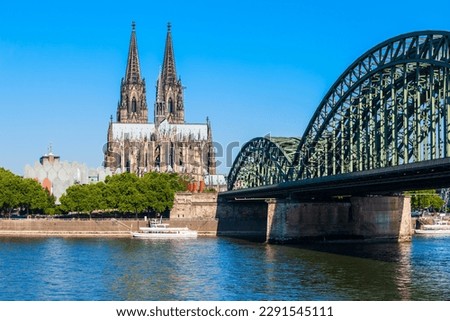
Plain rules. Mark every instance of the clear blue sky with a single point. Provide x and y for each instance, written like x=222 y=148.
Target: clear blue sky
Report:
x=252 y=67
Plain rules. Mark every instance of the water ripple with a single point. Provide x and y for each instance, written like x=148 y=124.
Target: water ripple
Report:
x=221 y=269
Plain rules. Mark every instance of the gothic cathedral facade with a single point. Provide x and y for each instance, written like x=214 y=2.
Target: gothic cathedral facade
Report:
x=166 y=145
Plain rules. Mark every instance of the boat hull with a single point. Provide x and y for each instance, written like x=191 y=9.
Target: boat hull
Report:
x=164 y=236
x=166 y=233
x=433 y=232
x=163 y=231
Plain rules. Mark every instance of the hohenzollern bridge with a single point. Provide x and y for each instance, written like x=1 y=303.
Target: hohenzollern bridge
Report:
x=383 y=128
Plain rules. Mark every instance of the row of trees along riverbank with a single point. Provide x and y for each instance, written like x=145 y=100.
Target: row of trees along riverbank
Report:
x=124 y=193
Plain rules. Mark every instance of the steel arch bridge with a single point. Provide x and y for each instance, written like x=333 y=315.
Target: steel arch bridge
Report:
x=263 y=161
x=390 y=107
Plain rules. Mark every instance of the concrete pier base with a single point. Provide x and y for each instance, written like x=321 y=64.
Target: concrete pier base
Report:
x=384 y=218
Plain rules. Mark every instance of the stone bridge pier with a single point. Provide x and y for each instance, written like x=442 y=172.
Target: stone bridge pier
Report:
x=377 y=218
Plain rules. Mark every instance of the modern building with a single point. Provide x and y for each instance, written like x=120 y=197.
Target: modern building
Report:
x=169 y=144
x=56 y=175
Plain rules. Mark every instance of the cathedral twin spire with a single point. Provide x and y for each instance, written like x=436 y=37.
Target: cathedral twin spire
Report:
x=133 y=72
x=169 y=91
x=132 y=107
x=169 y=73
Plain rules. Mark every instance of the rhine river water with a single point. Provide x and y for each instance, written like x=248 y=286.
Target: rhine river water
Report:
x=221 y=269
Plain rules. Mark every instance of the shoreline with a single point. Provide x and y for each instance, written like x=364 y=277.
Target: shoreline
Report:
x=93 y=228
x=77 y=234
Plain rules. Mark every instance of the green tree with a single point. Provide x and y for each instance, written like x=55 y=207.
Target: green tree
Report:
x=96 y=197
x=10 y=197
x=73 y=200
x=123 y=193
x=158 y=190
x=425 y=199
x=34 y=197
x=27 y=194
x=126 y=193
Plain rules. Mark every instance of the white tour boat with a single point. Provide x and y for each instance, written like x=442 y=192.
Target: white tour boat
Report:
x=159 y=230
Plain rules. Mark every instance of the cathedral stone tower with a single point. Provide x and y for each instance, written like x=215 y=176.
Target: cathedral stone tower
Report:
x=167 y=145
x=169 y=91
x=132 y=107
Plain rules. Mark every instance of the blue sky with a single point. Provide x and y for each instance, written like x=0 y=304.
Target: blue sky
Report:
x=252 y=67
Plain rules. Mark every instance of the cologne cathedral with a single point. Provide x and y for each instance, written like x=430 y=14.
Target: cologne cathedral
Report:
x=166 y=145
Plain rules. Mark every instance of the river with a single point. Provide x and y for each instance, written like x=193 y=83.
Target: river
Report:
x=221 y=269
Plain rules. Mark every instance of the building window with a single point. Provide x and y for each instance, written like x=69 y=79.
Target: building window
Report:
x=170 y=106
x=180 y=157
x=157 y=158
x=171 y=155
x=133 y=105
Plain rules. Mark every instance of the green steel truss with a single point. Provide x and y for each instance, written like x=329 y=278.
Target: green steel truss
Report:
x=263 y=161
x=390 y=107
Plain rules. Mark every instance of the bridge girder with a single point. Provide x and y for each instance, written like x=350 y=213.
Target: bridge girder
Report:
x=390 y=107
x=263 y=161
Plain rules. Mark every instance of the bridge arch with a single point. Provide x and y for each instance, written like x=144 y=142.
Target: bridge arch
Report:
x=263 y=161
x=390 y=107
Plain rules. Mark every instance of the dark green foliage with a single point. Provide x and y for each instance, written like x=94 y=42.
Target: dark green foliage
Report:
x=425 y=199
x=158 y=190
x=126 y=193
x=122 y=193
x=27 y=194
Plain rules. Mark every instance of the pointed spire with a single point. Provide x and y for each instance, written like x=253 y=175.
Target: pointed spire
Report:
x=132 y=107
x=169 y=91
x=169 y=74
x=133 y=72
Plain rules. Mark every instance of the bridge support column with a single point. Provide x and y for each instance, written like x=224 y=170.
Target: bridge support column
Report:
x=361 y=218
x=387 y=217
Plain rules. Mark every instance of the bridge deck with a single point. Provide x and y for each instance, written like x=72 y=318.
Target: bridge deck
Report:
x=397 y=179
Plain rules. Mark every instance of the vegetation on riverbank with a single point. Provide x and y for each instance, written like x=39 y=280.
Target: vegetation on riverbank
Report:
x=124 y=193
x=25 y=193
x=425 y=199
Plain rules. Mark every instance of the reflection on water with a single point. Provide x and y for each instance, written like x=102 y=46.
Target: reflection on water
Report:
x=221 y=269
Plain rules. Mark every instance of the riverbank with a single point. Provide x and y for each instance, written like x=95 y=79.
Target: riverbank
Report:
x=196 y=211
x=93 y=228
x=75 y=228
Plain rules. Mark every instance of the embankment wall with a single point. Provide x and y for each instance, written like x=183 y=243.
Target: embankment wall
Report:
x=59 y=227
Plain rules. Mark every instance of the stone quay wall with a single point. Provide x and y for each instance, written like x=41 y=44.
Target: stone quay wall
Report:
x=196 y=211
x=61 y=227
x=209 y=215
